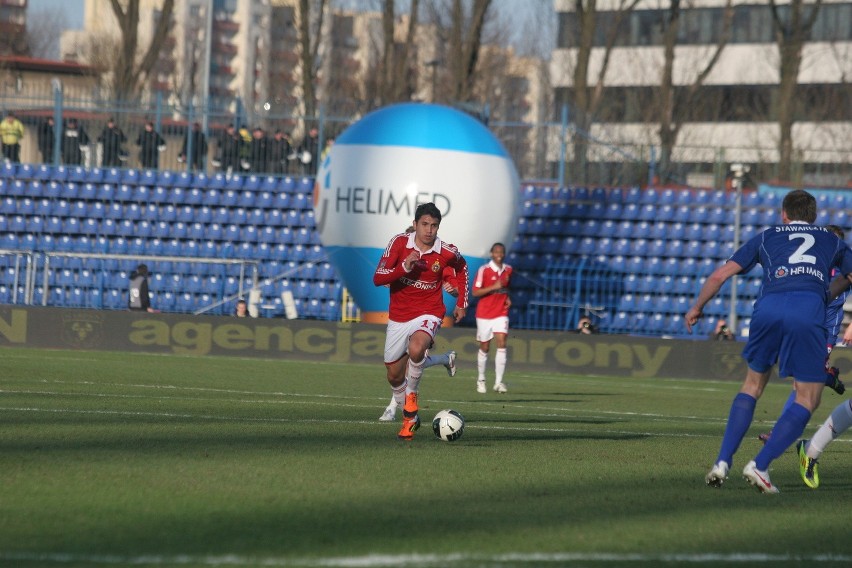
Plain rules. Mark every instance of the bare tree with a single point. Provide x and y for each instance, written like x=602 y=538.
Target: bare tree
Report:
x=791 y=32
x=310 y=36
x=130 y=73
x=668 y=104
x=588 y=97
x=465 y=42
x=394 y=81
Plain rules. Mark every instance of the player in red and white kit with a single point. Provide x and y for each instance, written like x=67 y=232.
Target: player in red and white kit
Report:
x=448 y=359
x=413 y=266
x=491 y=286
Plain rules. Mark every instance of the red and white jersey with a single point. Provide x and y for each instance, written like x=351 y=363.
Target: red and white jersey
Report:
x=419 y=292
x=492 y=305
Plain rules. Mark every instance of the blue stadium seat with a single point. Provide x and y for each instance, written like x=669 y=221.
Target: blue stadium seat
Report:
x=124 y=192
x=196 y=231
x=129 y=176
x=682 y=214
x=231 y=232
x=213 y=231
x=193 y=196
x=587 y=246
x=234 y=183
x=203 y=214
x=301 y=201
x=217 y=181
x=248 y=234
x=221 y=215
x=185 y=213
x=649 y=197
x=264 y=199
x=201 y=181
x=256 y=217
x=44 y=172
x=179 y=230
x=281 y=201
x=184 y=303
x=182 y=180
x=229 y=197
x=147 y=177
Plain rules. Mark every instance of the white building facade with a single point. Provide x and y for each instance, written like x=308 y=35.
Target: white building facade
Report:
x=734 y=119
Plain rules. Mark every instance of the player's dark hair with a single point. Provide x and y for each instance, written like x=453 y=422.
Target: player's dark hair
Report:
x=799 y=205
x=497 y=245
x=837 y=231
x=427 y=209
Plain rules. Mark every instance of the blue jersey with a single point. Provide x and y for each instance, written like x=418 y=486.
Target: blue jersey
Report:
x=796 y=257
x=834 y=315
x=788 y=324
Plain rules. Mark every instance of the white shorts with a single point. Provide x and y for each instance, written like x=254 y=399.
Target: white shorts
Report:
x=486 y=328
x=396 y=341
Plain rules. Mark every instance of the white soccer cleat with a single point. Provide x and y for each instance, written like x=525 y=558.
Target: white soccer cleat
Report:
x=718 y=474
x=500 y=387
x=480 y=387
x=389 y=415
x=451 y=363
x=759 y=479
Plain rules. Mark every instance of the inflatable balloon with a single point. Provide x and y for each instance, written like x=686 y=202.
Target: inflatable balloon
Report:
x=395 y=158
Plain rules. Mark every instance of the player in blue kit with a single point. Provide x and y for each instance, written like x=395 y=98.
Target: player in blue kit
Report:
x=833 y=321
x=787 y=327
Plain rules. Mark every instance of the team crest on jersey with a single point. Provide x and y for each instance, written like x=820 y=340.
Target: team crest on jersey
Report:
x=436 y=267
x=781 y=272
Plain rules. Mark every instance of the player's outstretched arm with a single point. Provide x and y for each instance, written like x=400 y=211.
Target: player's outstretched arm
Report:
x=710 y=288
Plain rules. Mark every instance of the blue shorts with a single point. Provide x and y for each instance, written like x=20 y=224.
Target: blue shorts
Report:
x=788 y=328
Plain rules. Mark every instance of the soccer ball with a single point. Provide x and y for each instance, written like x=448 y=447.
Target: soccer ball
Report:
x=448 y=425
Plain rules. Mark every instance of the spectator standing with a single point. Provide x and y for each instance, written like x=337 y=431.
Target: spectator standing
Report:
x=199 y=148
x=228 y=153
x=111 y=139
x=258 y=151
x=11 y=132
x=279 y=153
x=46 y=139
x=74 y=139
x=150 y=145
x=308 y=152
x=139 y=296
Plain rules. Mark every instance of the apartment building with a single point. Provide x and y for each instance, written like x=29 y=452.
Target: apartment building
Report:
x=734 y=119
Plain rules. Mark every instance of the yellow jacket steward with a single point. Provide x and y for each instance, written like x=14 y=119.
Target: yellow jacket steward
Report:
x=11 y=131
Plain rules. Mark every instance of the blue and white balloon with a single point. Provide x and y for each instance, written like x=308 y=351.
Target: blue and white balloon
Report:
x=390 y=161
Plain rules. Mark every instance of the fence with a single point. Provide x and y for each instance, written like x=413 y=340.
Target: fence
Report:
x=571 y=290
x=541 y=151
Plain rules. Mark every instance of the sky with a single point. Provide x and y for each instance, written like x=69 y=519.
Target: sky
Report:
x=73 y=10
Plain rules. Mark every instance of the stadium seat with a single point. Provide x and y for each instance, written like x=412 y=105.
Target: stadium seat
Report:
x=201 y=181
x=217 y=181
x=129 y=176
x=229 y=197
x=234 y=183
x=147 y=177
x=203 y=214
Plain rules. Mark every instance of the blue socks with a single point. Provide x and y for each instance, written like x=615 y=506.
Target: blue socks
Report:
x=787 y=430
x=739 y=420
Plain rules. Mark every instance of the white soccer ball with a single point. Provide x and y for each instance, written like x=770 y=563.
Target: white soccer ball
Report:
x=448 y=425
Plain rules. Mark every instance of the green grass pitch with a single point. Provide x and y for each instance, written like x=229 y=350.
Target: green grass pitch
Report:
x=123 y=459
